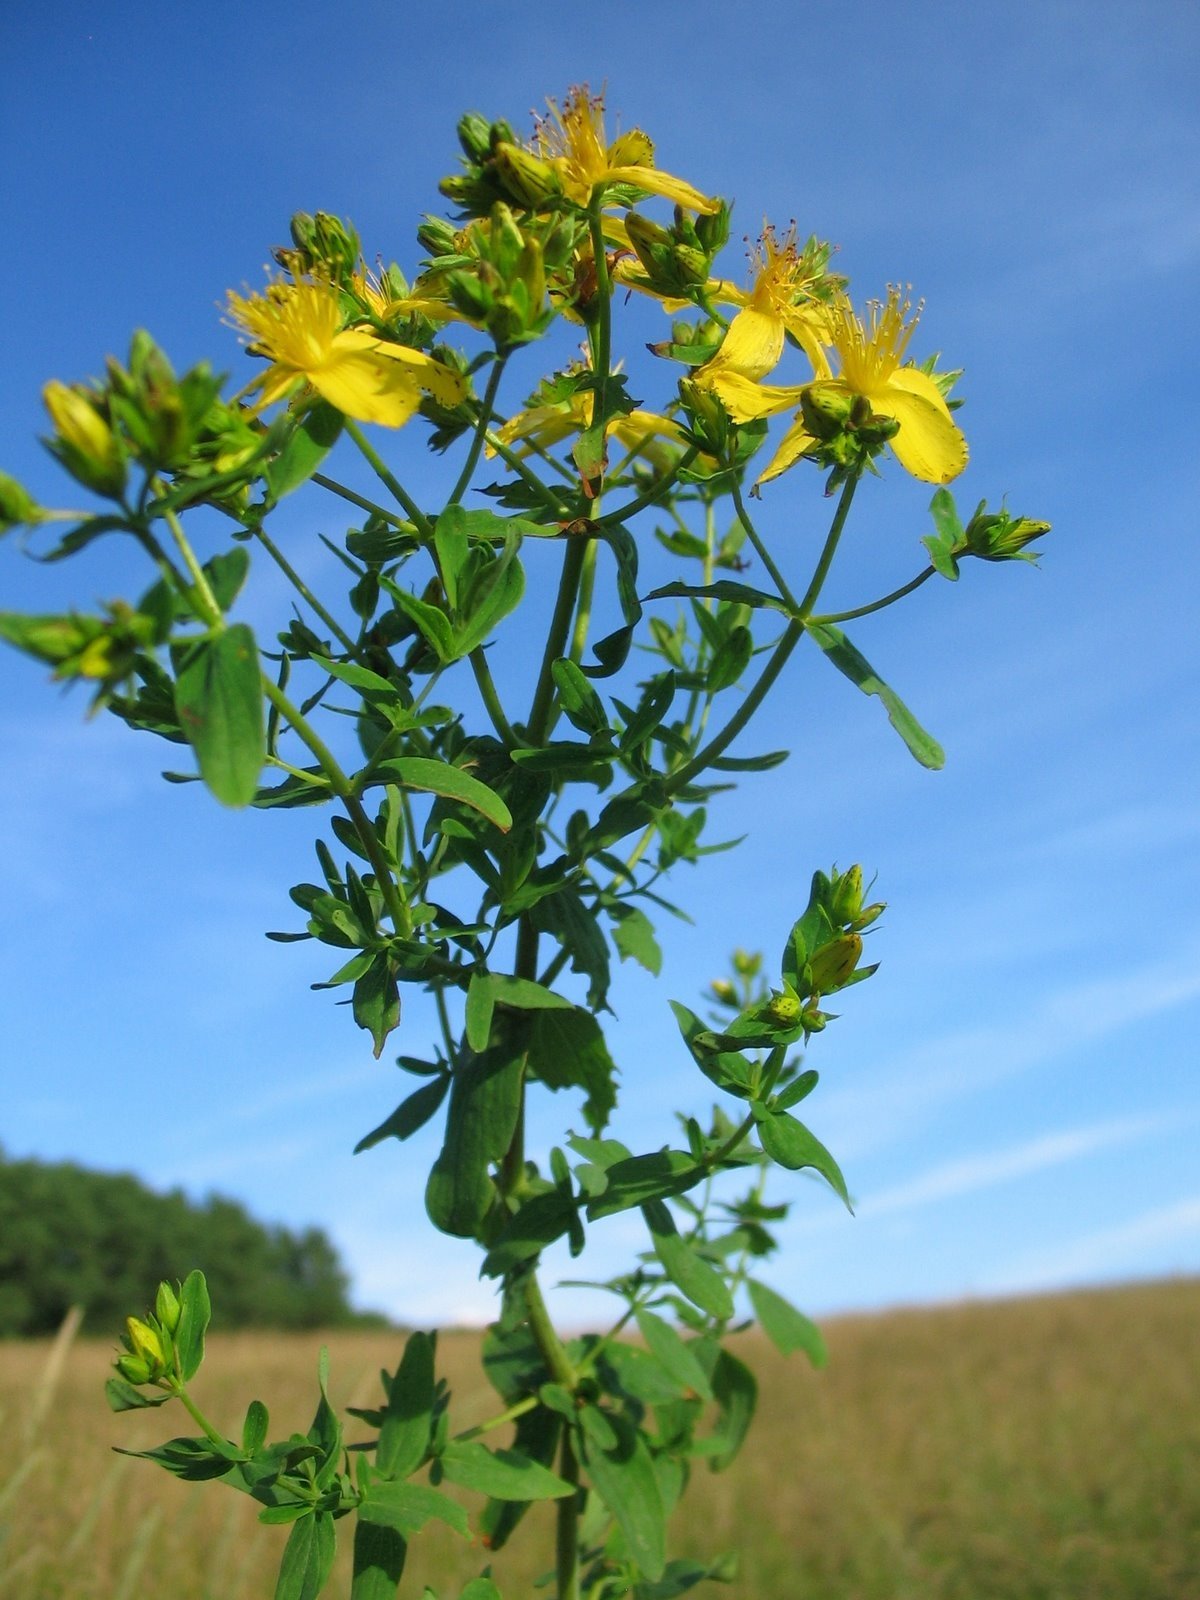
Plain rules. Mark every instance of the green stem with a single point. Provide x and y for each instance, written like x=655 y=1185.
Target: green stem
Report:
x=656 y=490
x=199 y=1418
x=566 y=1542
x=583 y=612
x=491 y=699
x=389 y=479
x=804 y=610
x=204 y=594
x=600 y=335
x=361 y=501
x=764 y=555
x=530 y=1403
x=720 y=742
x=878 y=605
x=511 y=459
x=556 y=641
x=293 y=577
x=485 y=417
x=344 y=789
x=552 y=1349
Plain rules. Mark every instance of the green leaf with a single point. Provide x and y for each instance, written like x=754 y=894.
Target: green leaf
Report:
x=485 y=1101
x=789 y=1330
x=633 y=935
x=612 y=651
x=409 y=1115
x=376 y=1002
x=540 y=1221
x=728 y=1070
x=489 y=989
x=439 y=777
x=574 y=925
x=503 y=1474
x=790 y=1144
x=642 y=1178
x=859 y=670
x=582 y=706
x=122 y=1396
x=730 y=660
x=404 y=1432
x=625 y=1480
x=307 y=446
x=725 y=589
x=567 y=1050
x=226 y=573
x=218 y=699
x=450 y=540
x=432 y=623
x=689 y=1272
x=945 y=516
x=494 y=594
x=379 y=1556
x=194 y=1316
x=673 y=1354
x=736 y=1393
x=307 y=1558
x=254 y=1429
x=480 y=1589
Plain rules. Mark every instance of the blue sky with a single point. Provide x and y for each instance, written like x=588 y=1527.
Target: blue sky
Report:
x=1014 y=1096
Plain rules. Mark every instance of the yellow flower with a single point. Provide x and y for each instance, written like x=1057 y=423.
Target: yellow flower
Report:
x=298 y=325
x=571 y=140
x=425 y=298
x=780 y=301
x=543 y=426
x=928 y=443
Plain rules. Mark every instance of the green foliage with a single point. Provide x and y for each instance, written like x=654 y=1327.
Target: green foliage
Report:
x=104 y=1241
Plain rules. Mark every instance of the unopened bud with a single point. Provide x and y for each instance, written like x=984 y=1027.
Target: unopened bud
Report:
x=526 y=177
x=785 y=1009
x=89 y=449
x=167 y=1307
x=144 y=1342
x=845 y=899
x=747 y=965
x=17 y=506
x=724 y=991
x=834 y=962
x=438 y=236
x=826 y=410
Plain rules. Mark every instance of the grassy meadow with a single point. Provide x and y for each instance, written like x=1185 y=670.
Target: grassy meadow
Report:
x=1044 y=1449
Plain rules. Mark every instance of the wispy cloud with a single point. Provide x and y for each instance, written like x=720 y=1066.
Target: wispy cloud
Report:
x=961 y=1063
x=1111 y=1251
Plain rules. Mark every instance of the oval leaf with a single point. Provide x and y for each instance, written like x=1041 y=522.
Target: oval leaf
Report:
x=439 y=777
x=218 y=699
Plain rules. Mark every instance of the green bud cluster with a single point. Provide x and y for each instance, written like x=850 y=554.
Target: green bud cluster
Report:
x=324 y=245
x=504 y=286
x=990 y=535
x=18 y=508
x=678 y=259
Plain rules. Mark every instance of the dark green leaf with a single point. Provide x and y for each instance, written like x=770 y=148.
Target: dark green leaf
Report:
x=404 y=1432
x=379 y=1556
x=307 y=1558
x=439 y=777
x=643 y=1178
x=736 y=1393
x=409 y=1115
x=485 y=1101
x=633 y=935
x=859 y=670
x=218 y=699
x=376 y=1002
x=122 y=1396
x=489 y=989
x=726 y=1069
x=254 y=1429
x=672 y=1354
x=575 y=927
x=432 y=623
x=788 y=1329
x=689 y=1272
x=625 y=1480
x=730 y=660
x=583 y=707
x=407 y=1507
x=307 y=446
x=567 y=1050
x=503 y=1474
x=226 y=573
x=724 y=589
x=480 y=1589
x=790 y=1143
x=194 y=1316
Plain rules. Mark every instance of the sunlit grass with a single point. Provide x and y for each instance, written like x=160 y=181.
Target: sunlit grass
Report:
x=1043 y=1449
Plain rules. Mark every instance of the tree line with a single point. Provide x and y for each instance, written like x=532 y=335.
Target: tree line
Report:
x=69 y=1236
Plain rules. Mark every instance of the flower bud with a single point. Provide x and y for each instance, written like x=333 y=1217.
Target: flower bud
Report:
x=747 y=965
x=133 y=1369
x=438 y=236
x=17 y=506
x=785 y=1009
x=167 y=1307
x=528 y=179
x=826 y=410
x=845 y=898
x=833 y=963
x=723 y=991
x=84 y=442
x=475 y=136
x=997 y=536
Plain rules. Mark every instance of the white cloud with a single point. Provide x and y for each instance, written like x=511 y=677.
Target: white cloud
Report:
x=1111 y=1251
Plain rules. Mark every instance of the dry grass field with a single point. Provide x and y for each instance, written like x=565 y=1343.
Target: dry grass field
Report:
x=1045 y=1449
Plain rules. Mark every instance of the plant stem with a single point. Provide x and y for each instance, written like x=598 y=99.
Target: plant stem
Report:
x=656 y=490
x=485 y=417
x=491 y=700
x=566 y=1542
x=804 y=610
x=361 y=501
x=204 y=593
x=764 y=554
x=344 y=789
x=511 y=459
x=556 y=640
x=878 y=605
x=289 y=572
x=199 y=1418
x=387 y=477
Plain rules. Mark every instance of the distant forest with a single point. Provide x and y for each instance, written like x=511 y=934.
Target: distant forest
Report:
x=104 y=1240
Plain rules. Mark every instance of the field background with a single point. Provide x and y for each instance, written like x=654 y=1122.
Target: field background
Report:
x=1045 y=1449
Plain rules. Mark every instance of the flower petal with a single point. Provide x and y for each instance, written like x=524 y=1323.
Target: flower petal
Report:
x=362 y=386
x=442 y=382
x=753 y=344
x=744 y=399
x=795 y=442
x=677 y=190
x=929 y=444
x=809 y=327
